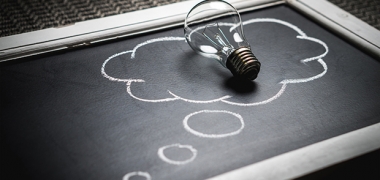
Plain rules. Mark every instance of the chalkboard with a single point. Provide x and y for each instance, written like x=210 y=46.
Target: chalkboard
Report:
x=149 y=106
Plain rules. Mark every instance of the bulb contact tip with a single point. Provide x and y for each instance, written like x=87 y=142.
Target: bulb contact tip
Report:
x=242 y=63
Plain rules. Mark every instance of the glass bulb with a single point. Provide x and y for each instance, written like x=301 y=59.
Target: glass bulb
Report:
x=213 y=28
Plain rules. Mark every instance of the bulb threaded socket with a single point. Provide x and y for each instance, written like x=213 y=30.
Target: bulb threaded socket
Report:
x=242 y=63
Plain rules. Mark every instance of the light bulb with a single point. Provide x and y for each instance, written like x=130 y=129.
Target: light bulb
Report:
x=213 y=28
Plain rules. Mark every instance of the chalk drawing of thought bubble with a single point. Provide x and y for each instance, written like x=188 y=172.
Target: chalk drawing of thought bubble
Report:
x=227 y=98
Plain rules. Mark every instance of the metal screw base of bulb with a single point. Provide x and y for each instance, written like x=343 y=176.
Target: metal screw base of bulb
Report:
x=242 y=63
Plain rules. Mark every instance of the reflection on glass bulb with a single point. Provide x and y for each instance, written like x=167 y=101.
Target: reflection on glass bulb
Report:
x=213 y=28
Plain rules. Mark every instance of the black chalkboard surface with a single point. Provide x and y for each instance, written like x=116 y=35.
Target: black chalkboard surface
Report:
x=150 y=106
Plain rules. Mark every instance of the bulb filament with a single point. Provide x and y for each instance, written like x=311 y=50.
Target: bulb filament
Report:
x=221 y=39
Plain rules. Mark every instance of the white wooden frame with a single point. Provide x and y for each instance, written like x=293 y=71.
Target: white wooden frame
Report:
x=108 y=28
x=341 y=22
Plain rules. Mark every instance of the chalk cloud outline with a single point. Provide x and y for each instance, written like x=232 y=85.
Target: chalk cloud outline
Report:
x=137 y=173
x=224 y=99
x=215 y=136
x=163 y=157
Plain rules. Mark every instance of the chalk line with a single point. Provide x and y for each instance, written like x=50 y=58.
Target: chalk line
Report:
x=137 y=173
x=164 y=158
x=200 y=134
x=197 y=101
x=225 y=99
x=324 y=65
x=148 y=100
x=317 y=41
x=103 y=71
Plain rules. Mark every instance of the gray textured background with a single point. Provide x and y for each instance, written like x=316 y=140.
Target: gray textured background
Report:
x=20 y=16
x=366 y=10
